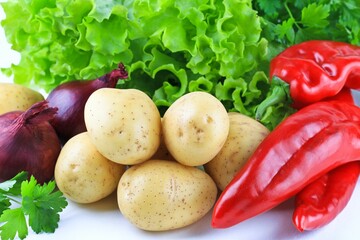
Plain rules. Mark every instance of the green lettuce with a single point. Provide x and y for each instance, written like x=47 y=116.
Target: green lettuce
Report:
x=169 y=47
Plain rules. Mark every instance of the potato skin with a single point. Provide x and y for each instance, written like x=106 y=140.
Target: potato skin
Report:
x=245 y=135
x=123 y=124
x=160 y=195
x=83 y=174
x=195 y=128
x=162 y=152
x=15 y=97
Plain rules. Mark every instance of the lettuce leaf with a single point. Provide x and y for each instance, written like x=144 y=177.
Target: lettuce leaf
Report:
x=170 y=47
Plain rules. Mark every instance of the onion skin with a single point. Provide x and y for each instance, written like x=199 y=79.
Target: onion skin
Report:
x=29 y=143
x=70 y=99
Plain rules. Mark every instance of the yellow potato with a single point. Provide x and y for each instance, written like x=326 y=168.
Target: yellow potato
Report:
x=160 y=195
x=195 y=128
x=245 y=135
x=14 y=97
x=162 y=151
x=124 y=125
x=83 y=174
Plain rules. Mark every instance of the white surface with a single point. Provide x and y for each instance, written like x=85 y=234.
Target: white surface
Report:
x=102 y=220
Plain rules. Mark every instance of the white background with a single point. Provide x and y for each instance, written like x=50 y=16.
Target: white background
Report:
x=103 y=220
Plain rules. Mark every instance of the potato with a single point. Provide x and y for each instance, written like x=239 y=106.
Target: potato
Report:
x=160 y=195
x=195 y=128
x=14 y=97
x=162 y=152
x=245 y=135
x=83 y=174
x=124 y=125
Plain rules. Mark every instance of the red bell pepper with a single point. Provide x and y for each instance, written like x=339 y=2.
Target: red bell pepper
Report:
x=344 y=95
x=317 y=69
x=305 y=146
x=312 y=71
x=322 y=200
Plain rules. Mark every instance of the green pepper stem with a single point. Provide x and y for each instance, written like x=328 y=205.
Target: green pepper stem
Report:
x=279 y=92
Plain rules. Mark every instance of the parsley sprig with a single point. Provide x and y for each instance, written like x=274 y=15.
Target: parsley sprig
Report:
x=25 y=203
x=293 y=21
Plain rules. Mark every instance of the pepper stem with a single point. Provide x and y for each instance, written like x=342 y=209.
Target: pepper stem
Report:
x=279 y=92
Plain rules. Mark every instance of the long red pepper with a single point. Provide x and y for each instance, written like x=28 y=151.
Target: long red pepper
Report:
x=306 y=145
x=303 y=74
x=322 y=200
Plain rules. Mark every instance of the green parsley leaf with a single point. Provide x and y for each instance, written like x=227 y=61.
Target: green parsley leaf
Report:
x=349 y=19
x=42 y=205
x=4 y=203
x=315 y=15
x=286 y=29
x=300 y=3
x=7 y=185
x=12 y=186
x=13 y=223
x=270 y=7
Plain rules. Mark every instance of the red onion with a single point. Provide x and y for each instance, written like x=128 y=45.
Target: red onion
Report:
x=29 y=143
x=70 y=99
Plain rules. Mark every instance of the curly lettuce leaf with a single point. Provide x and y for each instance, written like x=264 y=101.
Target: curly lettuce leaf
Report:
x=169 y=47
